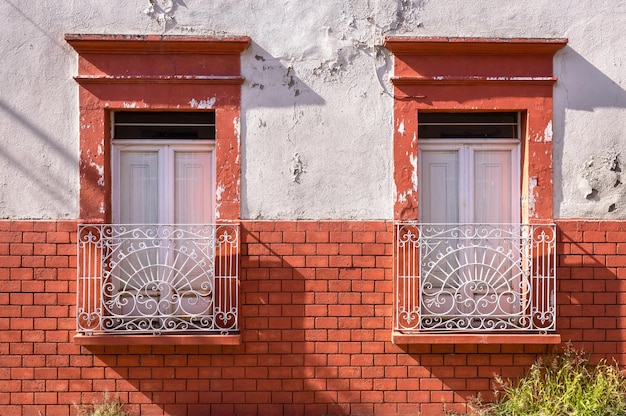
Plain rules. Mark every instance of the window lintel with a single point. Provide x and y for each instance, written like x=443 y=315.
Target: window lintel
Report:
x=405 y=45
x=156 y=73
x=474 y=74
x=157 y=44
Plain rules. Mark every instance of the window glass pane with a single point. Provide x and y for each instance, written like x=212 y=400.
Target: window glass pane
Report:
x=164 y=125
x=492 y=186
x=139 y=187
x=439 y=187
x=193 y=196
x=468 y=125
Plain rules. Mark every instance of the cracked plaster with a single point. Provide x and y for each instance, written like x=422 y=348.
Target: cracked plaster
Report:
x=317 y=84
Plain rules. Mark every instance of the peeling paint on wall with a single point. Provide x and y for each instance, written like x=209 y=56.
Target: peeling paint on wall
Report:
x=413 y=161
x=547 y=134
x=218 y=199
x=237 y=129
x=601 y=183
x=99 y=169
x=296 y=168
x=202 y=104
x=532 y=184
x=347 y=127
x=163 y=11
x=402 y=197
x=401 y=128
x=130 y=105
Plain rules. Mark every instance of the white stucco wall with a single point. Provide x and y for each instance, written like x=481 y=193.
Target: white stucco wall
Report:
x=316 y=106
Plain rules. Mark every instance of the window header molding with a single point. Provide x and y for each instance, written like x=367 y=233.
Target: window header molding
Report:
x=447 y=74
x=157 y=44
x=155 y=59
x=156 y=73
x=401 y=45
x=173 y=79
x=473 y=61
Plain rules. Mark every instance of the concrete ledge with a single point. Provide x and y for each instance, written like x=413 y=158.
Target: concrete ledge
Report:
x=482 y=338
x=169 y=339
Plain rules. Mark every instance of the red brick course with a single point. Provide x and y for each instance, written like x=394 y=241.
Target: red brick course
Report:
x=316 y=319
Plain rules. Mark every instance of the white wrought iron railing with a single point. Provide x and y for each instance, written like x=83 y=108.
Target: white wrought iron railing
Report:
x=157 y=279
x=475 y=277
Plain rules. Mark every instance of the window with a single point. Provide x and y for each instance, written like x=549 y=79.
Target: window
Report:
x=475 y=239
x=468 y=168
x=158 y=249
x=163 y=168
x=468 y=176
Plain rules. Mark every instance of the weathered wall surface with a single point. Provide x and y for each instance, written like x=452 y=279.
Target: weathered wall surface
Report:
x=316 y=108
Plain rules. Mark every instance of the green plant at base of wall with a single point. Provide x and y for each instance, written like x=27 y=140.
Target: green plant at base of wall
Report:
x=564 y=384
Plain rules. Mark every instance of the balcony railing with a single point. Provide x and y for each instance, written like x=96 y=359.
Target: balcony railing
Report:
x=475 y=277
x=157 y=279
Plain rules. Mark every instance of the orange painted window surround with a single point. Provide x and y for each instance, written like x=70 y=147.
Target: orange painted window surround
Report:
x=437 y=74
x=156 y=73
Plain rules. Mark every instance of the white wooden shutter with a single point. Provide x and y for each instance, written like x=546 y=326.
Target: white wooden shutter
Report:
x=163 y=184
x=439 y=185
x=136 y=187
x=193 y=187
x=439 y=203
x=468 y=183
x=493 y=190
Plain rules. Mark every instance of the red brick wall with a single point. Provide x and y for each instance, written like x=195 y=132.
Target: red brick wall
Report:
x=316 y=308
x=592 y=286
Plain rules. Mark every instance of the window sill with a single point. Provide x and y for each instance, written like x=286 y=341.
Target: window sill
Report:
x=170 y=339
x=482 y=338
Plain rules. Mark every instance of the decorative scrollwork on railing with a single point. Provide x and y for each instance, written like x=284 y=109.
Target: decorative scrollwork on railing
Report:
x=475 y=277
x=157 y=278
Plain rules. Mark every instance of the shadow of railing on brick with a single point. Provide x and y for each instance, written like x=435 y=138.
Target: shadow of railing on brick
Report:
x=592 y=286
x=285 y=297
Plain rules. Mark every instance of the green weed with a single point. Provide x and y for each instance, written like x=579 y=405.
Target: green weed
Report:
x=564 y=384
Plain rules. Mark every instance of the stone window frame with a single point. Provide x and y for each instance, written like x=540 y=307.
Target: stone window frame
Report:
x=157 y=73
x=475 y=74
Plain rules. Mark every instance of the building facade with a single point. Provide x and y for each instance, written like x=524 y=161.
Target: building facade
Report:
x=332 y=208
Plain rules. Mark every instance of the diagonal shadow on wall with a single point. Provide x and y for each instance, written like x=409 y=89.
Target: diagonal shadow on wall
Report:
x=269 y=84
x=581 y=86
x=25 y=158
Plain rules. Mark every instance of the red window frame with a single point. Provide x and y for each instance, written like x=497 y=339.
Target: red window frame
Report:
x=160 y=73
x=475 y=74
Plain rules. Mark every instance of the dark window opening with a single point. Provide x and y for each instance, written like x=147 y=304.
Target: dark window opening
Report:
x=164 y=125
x=495 y=125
